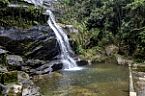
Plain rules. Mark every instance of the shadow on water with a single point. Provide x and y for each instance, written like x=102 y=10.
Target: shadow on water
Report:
x=96 y=80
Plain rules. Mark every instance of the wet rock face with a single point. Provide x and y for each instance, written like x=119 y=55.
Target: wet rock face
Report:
x=139 y=81
x=47 y=67
x=35 y=49
x=39 y=42
x=34 y=63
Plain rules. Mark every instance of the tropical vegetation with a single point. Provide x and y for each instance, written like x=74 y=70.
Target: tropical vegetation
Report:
x=102 y=22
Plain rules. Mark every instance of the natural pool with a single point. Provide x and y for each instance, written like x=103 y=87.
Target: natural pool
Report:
x=95 y=80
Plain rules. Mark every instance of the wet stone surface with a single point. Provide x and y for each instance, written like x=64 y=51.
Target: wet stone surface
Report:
x=139 y=78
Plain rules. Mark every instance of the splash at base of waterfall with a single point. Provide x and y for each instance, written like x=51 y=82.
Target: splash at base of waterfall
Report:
x=74 y=69
x=68 y=66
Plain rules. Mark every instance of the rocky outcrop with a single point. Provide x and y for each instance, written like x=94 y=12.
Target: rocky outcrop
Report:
x=48 y=67
x=123 y=61
x=35 y=63
x=21 y=85
x=33 y=51
x=28 y=87
x=38 y=42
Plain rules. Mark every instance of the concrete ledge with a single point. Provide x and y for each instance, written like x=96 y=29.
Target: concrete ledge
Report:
x=132 y=94
x=131 y=85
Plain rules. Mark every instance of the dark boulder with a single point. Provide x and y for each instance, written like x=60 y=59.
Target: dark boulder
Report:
x=3 y=57
x=34 y=63
x=82 y=62
x=14 y=62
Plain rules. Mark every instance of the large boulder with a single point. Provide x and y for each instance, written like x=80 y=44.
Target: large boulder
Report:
x=111 y=50
x=39 y=42
x=14 y=60
x=28 y=87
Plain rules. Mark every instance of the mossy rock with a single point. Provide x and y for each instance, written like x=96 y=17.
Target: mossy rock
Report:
x=3 y=61
x=12 y=93
x=140 y=68
x=23 y=17
x=9 y=77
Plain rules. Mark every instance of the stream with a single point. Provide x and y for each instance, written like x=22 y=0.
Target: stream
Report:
x=94 y=80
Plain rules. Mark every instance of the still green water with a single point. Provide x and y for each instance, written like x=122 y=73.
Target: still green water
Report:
x=96 y=80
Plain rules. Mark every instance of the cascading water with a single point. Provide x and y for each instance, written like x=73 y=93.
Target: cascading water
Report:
x=62 y=39
x=66 y=51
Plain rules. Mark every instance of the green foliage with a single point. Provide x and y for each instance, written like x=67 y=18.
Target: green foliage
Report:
x=4 y=3
x=140 y=68
x=136 y=4
x=141 y=46
x=8 y=77
x=89 y=54
x=120 y=22
x=84 y=37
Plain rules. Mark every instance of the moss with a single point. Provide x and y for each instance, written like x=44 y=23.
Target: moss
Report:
x=9 y=77
x=140 y=69
x=12 y=93
x=21 y=17
x=3 y=59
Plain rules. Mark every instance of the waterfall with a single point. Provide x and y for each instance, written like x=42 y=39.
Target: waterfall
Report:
x=63 y=41
x=66 y=51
